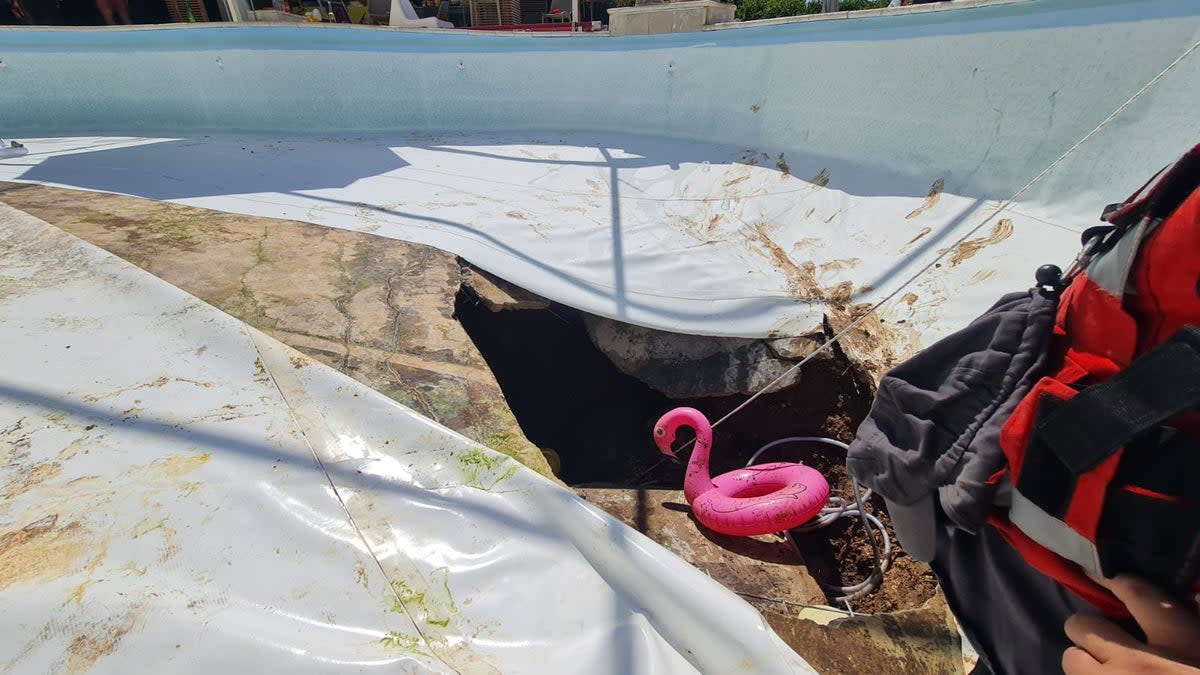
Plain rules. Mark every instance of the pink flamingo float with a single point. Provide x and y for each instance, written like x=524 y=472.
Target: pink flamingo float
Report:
x=756 y=500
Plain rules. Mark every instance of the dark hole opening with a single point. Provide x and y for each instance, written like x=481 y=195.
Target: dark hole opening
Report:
x=568 y=397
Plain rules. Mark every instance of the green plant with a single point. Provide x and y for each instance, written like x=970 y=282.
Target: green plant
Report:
x=852 y=5
x=748 y=10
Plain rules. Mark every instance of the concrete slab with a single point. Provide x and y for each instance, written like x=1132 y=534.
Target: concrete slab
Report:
x=765 y=571
x=673 y=17
x=908 y=642
x=377 y=309
x=499 y=295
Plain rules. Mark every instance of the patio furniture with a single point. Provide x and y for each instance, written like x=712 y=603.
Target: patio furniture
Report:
x=564 y=13
x=403 y=14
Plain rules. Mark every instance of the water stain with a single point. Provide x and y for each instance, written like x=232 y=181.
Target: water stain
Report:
x=909 y=299
x=101 y=549
x=931 y=200
x=160 y=382
x=71 y=450
x=538 y=231
x=801 y=277
x=982 y=276
x=88 y=648
x=176 y=466
x=734 y=181
x=840 y=294
x=31 y=478
x=170 y=548
x=920 y=235
x=840 y=264
x=1002 y=230
x=17 y=452
x=41 y=551
x=801 y=280
x=696 y=230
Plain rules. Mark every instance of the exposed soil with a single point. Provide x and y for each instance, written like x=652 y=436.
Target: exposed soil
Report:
x=567 y=396
x=840 y=554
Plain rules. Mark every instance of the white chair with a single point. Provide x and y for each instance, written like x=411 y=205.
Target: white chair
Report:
x=401 y=13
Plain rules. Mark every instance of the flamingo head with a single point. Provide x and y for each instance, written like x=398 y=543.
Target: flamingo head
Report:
x=667 y=426
x=664 y=439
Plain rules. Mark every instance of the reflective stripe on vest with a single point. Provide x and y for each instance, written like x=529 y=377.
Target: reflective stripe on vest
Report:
x=1054 y=534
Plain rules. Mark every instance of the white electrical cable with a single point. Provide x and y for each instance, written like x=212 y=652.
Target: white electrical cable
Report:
x=838 y=508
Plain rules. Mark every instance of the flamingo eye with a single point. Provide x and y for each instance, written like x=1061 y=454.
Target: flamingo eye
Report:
x=659 y=431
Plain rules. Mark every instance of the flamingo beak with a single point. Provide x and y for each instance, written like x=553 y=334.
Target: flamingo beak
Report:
x=663 y=440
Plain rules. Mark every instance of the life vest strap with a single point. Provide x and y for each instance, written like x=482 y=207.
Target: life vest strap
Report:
x=1162 y=383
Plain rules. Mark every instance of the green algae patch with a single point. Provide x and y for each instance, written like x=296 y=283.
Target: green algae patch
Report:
x=404 y=596
x=482 y=469
x=397 y=640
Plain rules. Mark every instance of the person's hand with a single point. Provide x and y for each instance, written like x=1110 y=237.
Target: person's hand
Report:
x=1172 y=635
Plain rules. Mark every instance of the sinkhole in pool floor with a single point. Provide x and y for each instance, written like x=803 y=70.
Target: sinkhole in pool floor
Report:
x=570 y=398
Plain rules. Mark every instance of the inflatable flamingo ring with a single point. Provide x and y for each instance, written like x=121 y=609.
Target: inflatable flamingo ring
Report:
x=756 y=500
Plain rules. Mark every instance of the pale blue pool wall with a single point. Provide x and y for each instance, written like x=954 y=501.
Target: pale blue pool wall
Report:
x=984 y=97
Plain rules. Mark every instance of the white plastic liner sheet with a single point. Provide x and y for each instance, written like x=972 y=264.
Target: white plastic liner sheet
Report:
x=180 y=493
x=742 y=182
x=673 y=235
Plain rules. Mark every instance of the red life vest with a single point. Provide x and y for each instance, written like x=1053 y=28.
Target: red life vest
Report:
x=1104 y=452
